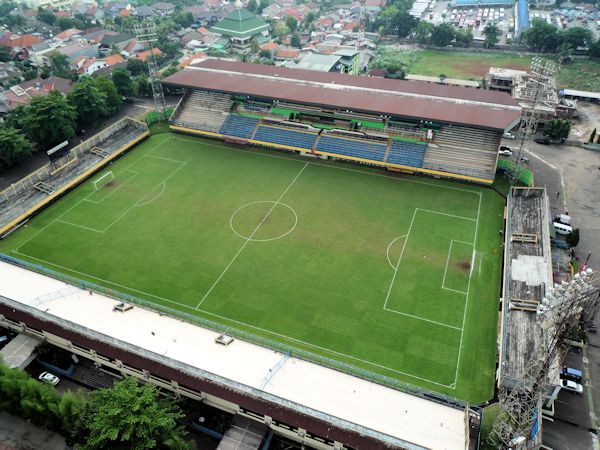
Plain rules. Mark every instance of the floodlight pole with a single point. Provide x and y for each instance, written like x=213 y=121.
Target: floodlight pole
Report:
x=541 y=72
x=146 y=34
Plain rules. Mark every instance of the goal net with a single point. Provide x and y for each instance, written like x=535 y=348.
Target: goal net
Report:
x=103 y=180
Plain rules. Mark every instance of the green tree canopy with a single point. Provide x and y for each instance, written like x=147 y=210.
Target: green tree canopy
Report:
x=423 y=31
x=183 y=19
x=541 y=36
x=114 y=101
x=123 y=83
x=292 y=23
x=442 y=34
x=281 y=29
x=295 y=41
x=50 y=119
x=130 y=416
x=14 y=147
x=558 y=128
x=142 y=86
x=252 y=6
x=89 y=102
x=576 y=37
x=595 y=49
x=464 y=37
x=4 y=55
x=492 y=34
x=137 y=67
x=46 y=16
x=59 y=64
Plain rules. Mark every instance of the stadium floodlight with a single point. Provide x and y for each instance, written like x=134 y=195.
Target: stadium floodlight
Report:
x=103 y=180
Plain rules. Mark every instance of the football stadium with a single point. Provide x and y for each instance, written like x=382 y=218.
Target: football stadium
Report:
x=346 y=221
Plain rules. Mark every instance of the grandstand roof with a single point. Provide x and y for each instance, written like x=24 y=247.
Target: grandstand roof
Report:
x=410 y=99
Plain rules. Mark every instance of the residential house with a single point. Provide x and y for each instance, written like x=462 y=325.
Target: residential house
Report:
x=143 y=56
x=272 y=12
x=144 y=12
x=286 y=54
x=67 y=35
x=86 y=65
x=22 y=94
x=79 y=49
x=241 y=27
x=39 y=54
x=17 y=44
x=8 y=71
x=195 y=58
x=164 y=8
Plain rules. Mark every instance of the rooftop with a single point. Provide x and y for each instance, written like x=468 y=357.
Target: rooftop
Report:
x=240 y=23
x=410 y=99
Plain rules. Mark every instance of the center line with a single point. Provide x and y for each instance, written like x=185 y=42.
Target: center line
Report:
x=249 y=238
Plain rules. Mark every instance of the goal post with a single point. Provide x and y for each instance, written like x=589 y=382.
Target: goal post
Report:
x=101 y=181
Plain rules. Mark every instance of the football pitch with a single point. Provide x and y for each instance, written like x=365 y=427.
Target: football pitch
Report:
x=394 y=274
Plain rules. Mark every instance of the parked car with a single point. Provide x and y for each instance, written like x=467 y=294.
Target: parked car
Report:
x=509 y=136
x=543 y=141
x=49 y=378
x=571 y=386
x=568 y=373
x=505 y=151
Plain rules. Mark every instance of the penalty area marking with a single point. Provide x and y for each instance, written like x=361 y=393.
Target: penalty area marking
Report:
x=251 y=238
x=387 y=252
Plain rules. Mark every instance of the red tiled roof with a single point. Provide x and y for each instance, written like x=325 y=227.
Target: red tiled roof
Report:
x=113 y=59
x=68 y=33
x=124 y=13
x=269 y=46
x=12 y=40
x=428 y=101
x=143 y=56
x=289 y=53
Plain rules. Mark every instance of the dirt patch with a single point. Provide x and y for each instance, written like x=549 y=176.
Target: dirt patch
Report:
x=111 y=184
x=464 y=266
x=480 y=68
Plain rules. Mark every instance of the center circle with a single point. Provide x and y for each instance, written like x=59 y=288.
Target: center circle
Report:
x=263 y=221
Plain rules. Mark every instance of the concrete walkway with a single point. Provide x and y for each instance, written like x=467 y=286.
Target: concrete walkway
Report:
x=16 y=433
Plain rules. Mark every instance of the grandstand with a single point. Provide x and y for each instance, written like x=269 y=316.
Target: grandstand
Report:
x=429 y=128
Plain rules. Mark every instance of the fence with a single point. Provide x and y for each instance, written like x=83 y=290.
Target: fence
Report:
x=525 y=176
x=44 y=172
x=155 y=116
x=245 y=336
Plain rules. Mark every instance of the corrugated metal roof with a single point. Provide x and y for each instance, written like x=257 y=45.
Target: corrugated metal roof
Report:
x=409 y=99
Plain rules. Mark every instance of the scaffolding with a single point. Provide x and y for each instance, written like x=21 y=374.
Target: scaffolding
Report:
x=147 y=36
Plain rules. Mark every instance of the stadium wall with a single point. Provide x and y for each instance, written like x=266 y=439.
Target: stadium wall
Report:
x=48 y=170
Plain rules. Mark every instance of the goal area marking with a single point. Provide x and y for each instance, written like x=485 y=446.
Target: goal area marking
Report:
x=109 y=176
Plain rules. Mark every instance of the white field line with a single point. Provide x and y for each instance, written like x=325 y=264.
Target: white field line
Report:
x=249 y=238
x=452 y=241
x=234 y=321
x=86 y=197
x=330 y=166
x=116 y=189
x=446 y=214
x=423 y=319
x=399 y=260
x=387 y=251
x=462 y=333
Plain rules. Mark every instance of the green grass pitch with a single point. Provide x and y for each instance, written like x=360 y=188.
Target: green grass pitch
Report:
x=398 y=275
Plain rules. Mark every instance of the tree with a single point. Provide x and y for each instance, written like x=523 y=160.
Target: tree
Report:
x=252 y=6
x=292 y=23
x=442 y=34
x=65 y=23
x=423 y=31
x=573 y=238
x=576 y=37
x=169 y=71
x=89 y=102
x=50 y=119
x=558 y=128
x=391 y=61
x=541 y=36
x=46 y=16
x=123 y=82
x=184 y=19
x=254 y=47
x=592 y=136
x=281 y=29
x=114 y=101
x=310 y=17
x=4 y=55
x=14 y=147
x=295 y=42
x=262 y=5
x=492 y=34
x=594 y=49
x=59 y=65
x=137 y=67
x=142 y=86
x=464 y=37
x=131 y=416
x=30 y=74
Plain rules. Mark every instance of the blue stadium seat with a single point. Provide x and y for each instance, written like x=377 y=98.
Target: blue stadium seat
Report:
x=288 y=137
x=357 y=148
x=239 y=126
x=407 y=153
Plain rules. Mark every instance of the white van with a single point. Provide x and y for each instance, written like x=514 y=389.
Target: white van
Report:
x=563 y=229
